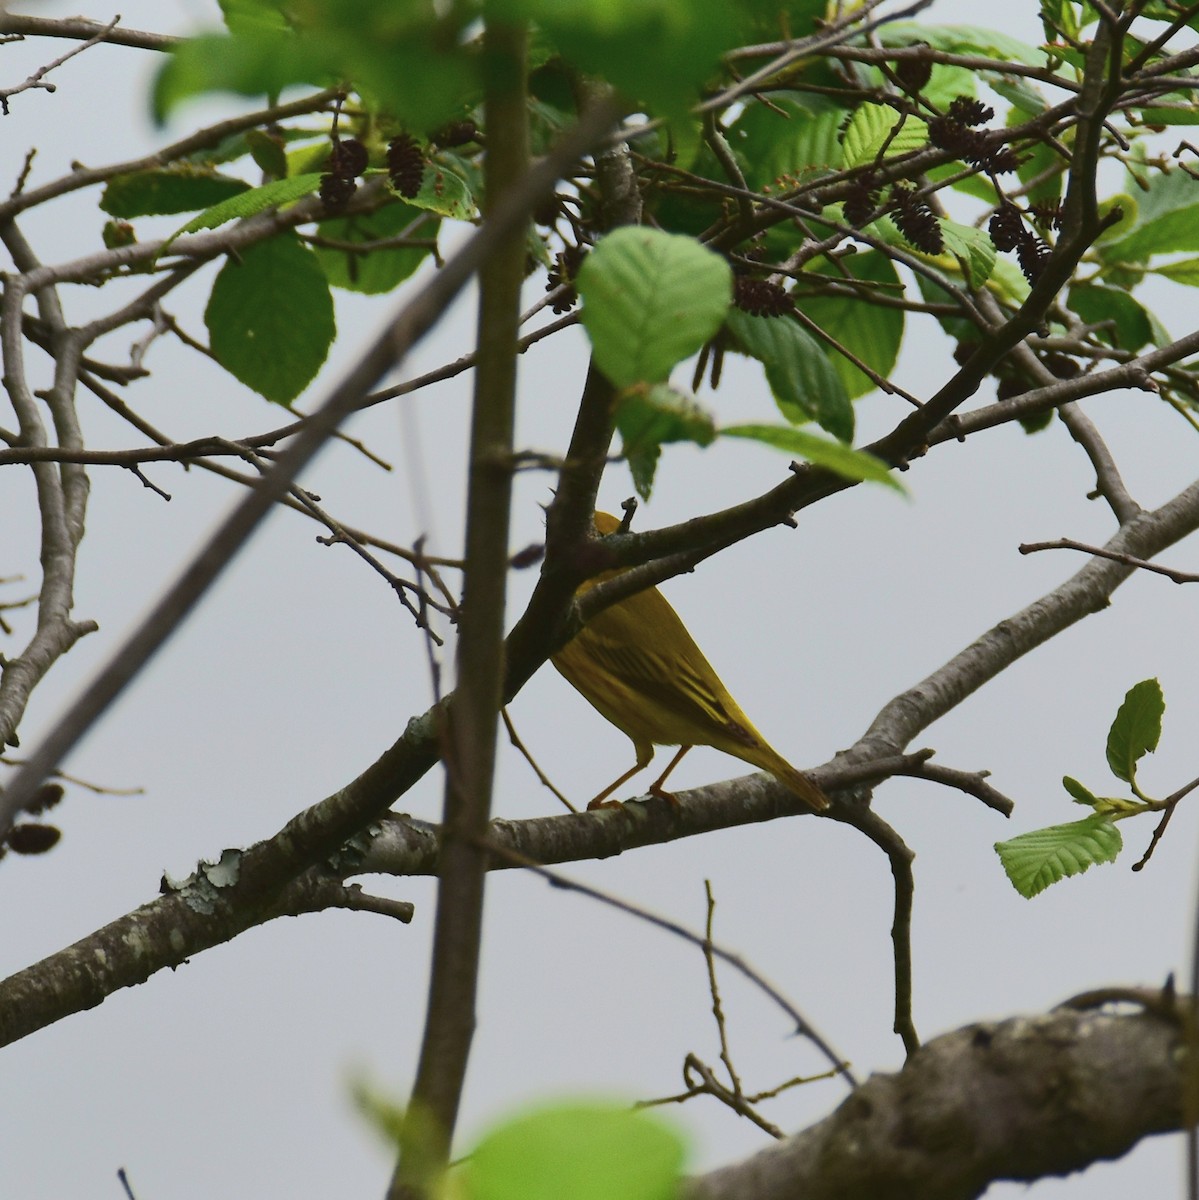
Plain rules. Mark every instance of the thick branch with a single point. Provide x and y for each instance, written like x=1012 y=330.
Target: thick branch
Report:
x=1018 y=1099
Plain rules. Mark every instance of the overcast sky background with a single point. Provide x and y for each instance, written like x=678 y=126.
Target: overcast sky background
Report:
x=230 y=1076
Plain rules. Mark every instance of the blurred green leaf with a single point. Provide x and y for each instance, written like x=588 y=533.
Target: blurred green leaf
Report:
x=251 y=63
x=576 y=1151
x=253 y=16
x=1186 y=271
x=647 y=418
x=655 y=51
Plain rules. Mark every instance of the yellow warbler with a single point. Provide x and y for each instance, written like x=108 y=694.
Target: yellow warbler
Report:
x=637 y=664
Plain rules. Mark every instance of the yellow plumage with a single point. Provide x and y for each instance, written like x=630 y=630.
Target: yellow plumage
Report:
x=636 y=663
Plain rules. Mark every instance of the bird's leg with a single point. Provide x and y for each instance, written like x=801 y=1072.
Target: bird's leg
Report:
x=656 y=788
x=644 y=754
x=602 y=801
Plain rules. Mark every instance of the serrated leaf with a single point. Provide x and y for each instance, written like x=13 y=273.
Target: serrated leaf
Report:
x=1078 y=792
x=1033 y=861
x=1136 y=729
x=270 y=317
x=377 y=270
x=175 y=189
x=835 y=456
x=874 y=127
x=650 y=300
x=648 y=418
x=794 y=139
x=973 y=249
x=580 y=1151
x=247 y=204
x=804 y=383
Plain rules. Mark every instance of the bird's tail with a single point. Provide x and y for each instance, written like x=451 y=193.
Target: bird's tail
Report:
x=790 y=778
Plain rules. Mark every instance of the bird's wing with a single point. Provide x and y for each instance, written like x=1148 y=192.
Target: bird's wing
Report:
x=687 y=695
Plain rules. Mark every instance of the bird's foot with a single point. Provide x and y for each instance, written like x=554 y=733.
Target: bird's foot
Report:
x=663 y=794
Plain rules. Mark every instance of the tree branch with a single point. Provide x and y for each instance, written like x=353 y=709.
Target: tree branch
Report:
x=1017 y=1099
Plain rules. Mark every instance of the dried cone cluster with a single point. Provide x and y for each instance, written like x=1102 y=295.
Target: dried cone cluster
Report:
x=35 y=837
x=760 y=297
x=1009 y=232
x=405 y=165
x=564 y=272
x=347 y=161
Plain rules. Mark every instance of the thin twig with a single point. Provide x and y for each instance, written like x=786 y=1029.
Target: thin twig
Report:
x=1129 y=560
x=542 y=777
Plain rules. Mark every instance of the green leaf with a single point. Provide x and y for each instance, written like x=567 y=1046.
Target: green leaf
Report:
x=270 y=317
x=964 y=39
x=1167 y=219
x=379 y=270
x=179 y=188
x=252 y=202
x=1136 y=729
x=1033 y=861
x=1130 y=328
x=973 y=249
x=1170 y=234
x=804 y=383
x=445 y=192
x=871 y=332
x=655 y=51
x=870 y=130
x=267 y=152
x=795 y=139
x=1079 y=793
x=251 y=63
x=1185 y=271
x=580 y=1151
x=835 y=456
x=647 y=418
x=650 y=300
x=253 y=16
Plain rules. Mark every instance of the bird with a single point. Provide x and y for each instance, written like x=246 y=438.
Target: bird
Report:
x=638 y=666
